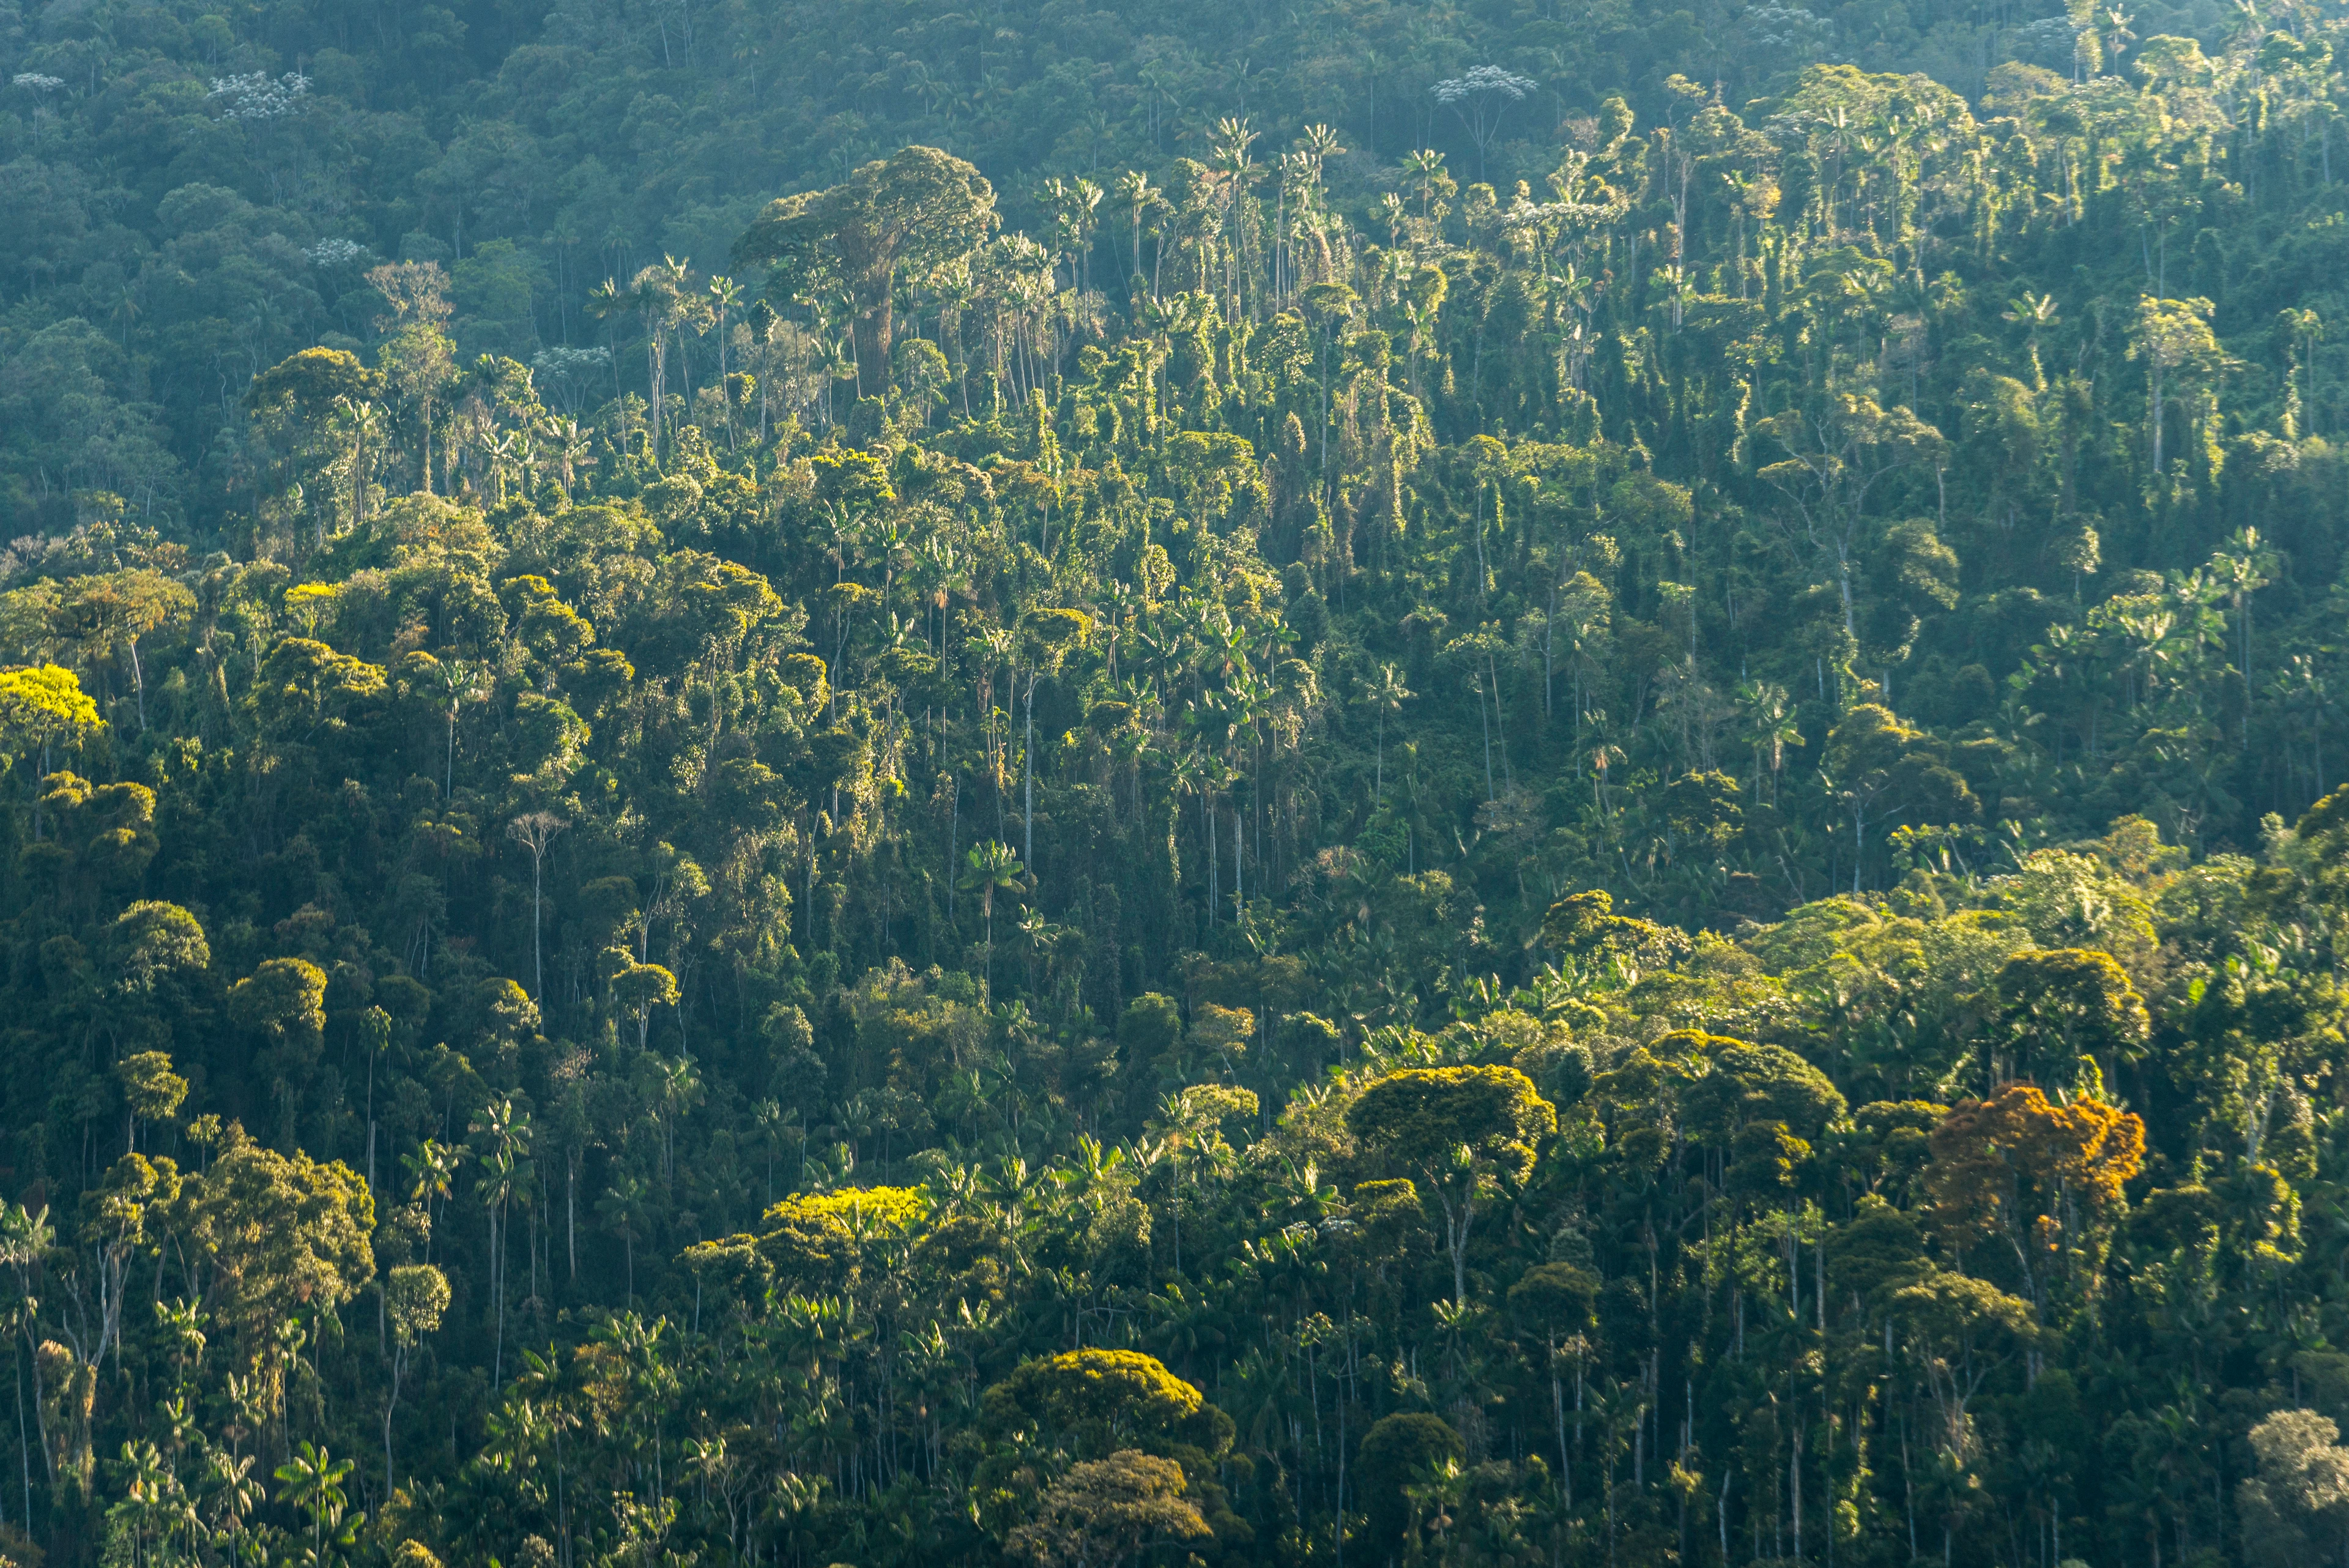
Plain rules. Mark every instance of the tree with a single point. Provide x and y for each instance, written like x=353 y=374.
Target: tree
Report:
x=304 y=686
x=1104 y=1510
x=1463 y=1130
x=1836 y=459
x=1743 y=1084
x=313 y=1482
x=434 y=1168
x=39 y=708
x=414 y=1295
x=662 y=295
x=457 y=682
x=986 y=867
x=112 y=612
x=1387 y=694
x=1193 y=1119
x=151 y=1090
x=1136 y=194
x=1769 y=730
x=912 y=216
x=2173 y=338
x=1400 y=1452
x=505 y=1171
x=638 y=988
x=1052 y=635
x=1098 y=1401
x=2066 y=1004
x=417 y=360
x=1147 y=1034
x=2303 y=329
x=315 y=379
x=1882 y=769
x=283 y=1234
x=152 y=941
x=2038 y=1181
x=283 y=1005
x=316 y=384
x=535 y=831
x=116 y=1218
x=1560 y=1300
x=2297 y=1506
x=2242 y=569
x=1960 y=1329
x=1481 y=99
x=625 y=1216
x=1586 y=925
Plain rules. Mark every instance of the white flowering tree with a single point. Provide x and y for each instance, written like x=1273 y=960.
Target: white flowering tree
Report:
x=1481 y=99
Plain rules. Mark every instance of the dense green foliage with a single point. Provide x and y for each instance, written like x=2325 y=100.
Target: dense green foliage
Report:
x=742 y=819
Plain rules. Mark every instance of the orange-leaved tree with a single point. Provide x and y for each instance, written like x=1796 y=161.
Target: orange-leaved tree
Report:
x=2027 y=1189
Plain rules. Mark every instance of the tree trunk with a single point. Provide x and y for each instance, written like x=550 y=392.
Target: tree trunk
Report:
x=391 y=1402
x=872 y=330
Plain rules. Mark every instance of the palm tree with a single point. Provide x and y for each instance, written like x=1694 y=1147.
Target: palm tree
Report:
x=459 y=683
x=1134 y=189
x=1603 y=756
x=314 y=1483
x=1426 y=169
x=608 y=302
x=623 y=1209
x=500 y=1171
x=1160 y=320
x=1076 y=208
x=726 y=297
x=679 y=1086
x=2304 y=328
x=986 y=867
x=1321 y=144
x=1386 y=694
x=2242 y=570
x=433 y=1166
x=574 y=449
x=2036 y=313
x=363 y=420
x=506 y=1169
x=1038 y=932
x=2302 y=686
x=1768 y=727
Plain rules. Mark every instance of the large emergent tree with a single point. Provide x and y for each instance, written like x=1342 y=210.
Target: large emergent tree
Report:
x=912 y=216
x=1460 y=1130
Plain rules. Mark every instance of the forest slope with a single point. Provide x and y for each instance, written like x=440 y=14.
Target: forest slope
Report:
x=860 y=784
